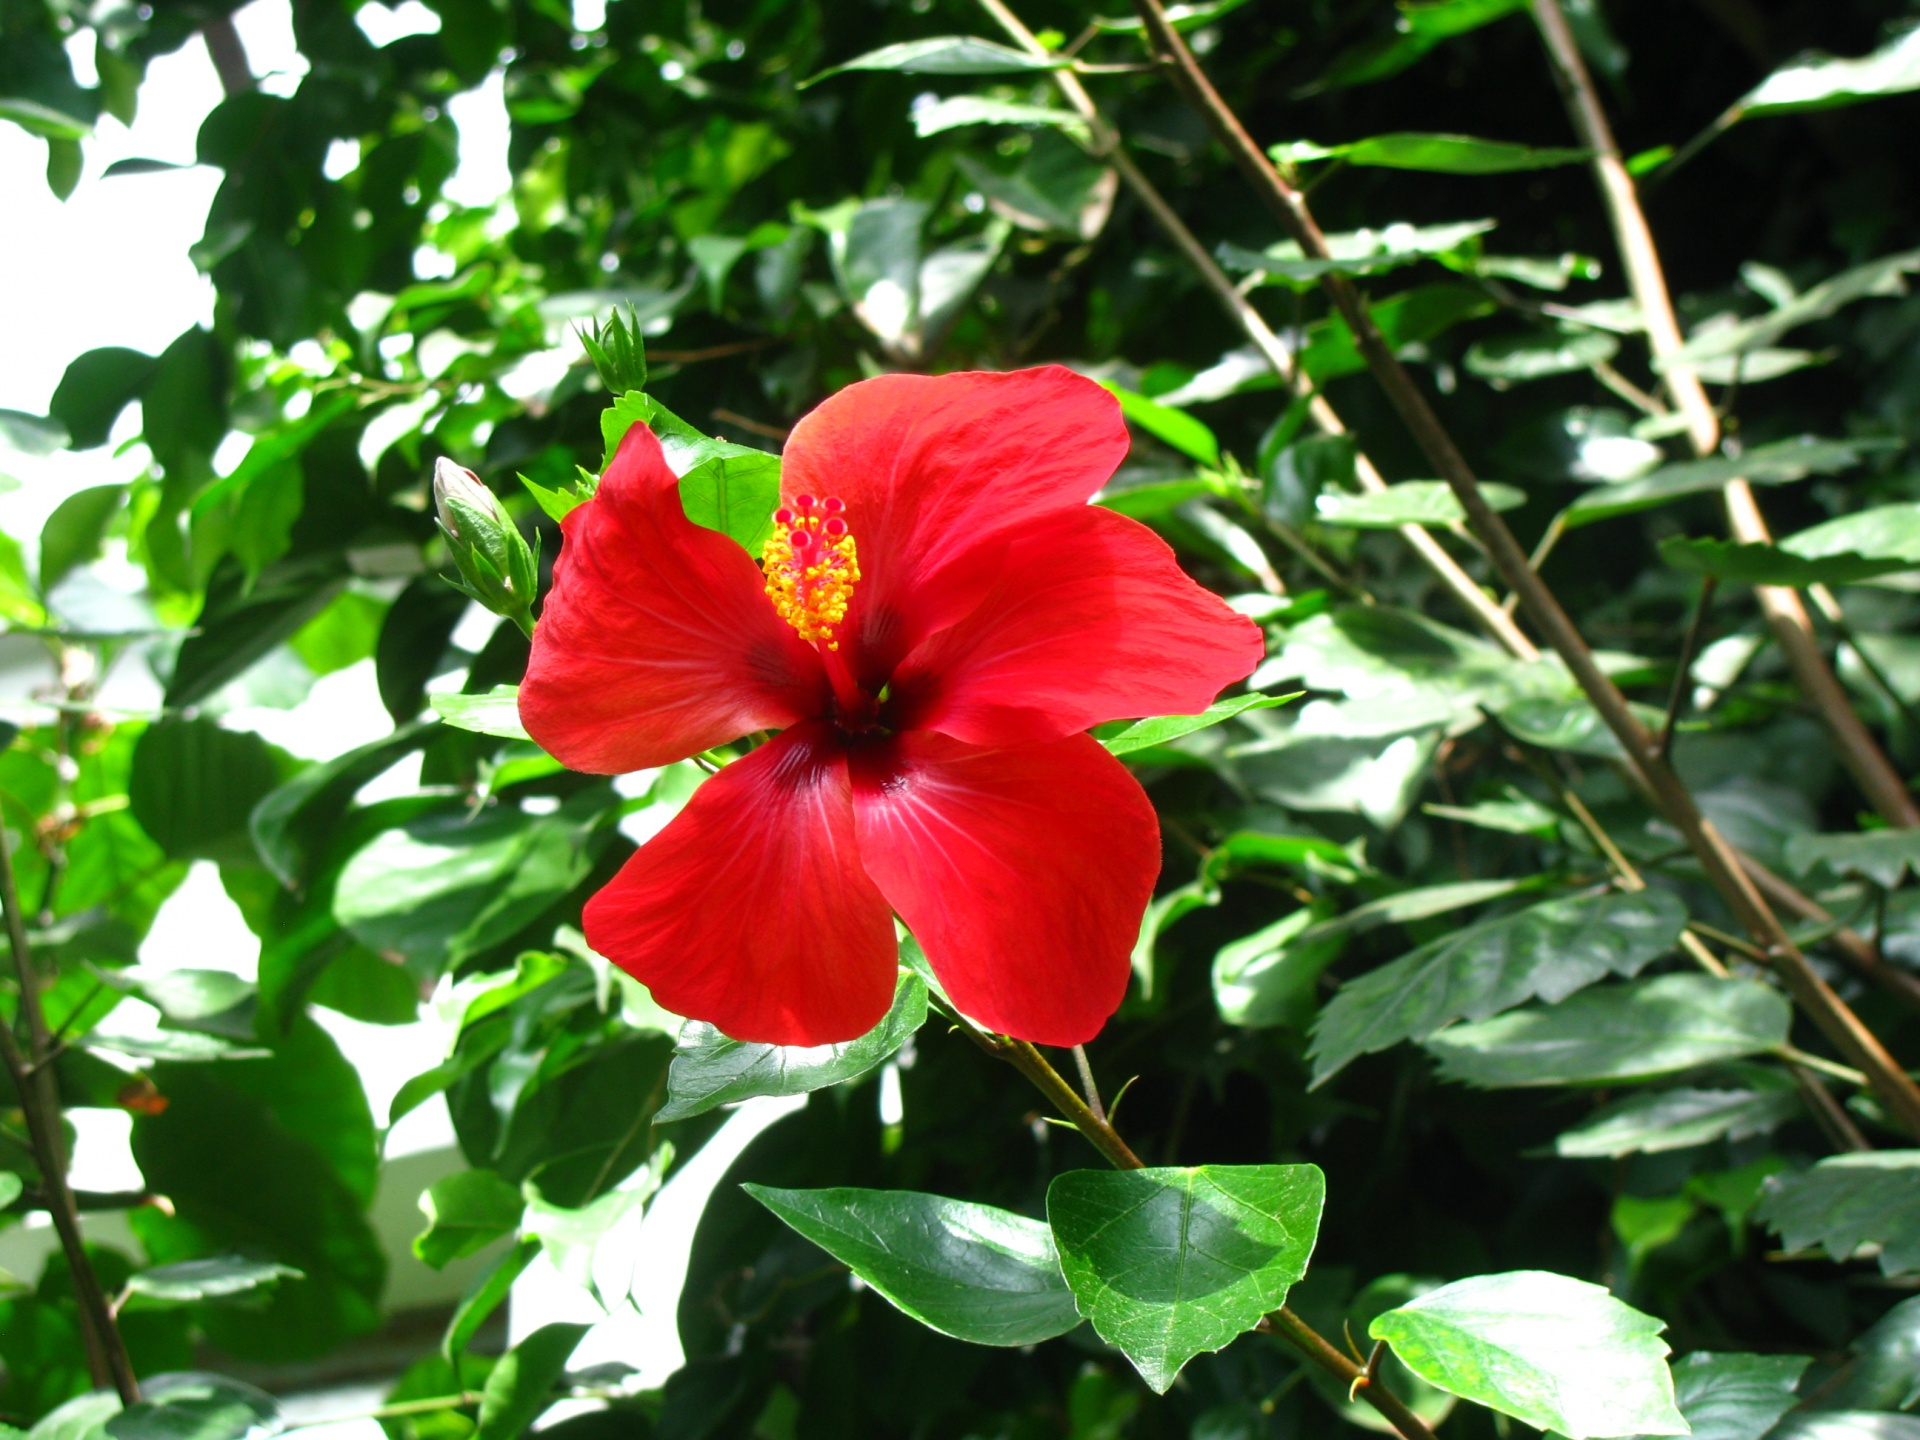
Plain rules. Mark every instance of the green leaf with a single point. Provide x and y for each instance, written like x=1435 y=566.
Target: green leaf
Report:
x=194 y=785
x=1555 y=1353
x=1518 y=814
x=96 y=387
x=466 y=1212
x=1622 y=1032
x=709 y=1069
x=1162 y=728
x=1546 y=952
x=76 y=530
x=495 y=713
x=1409 y=318
x=1420 y=25
x=1410 y=502
x=1882 y=856
x=1171 y=427
x=1270 y=976
x=1445 y=154
x=484 y=1294
x=1660 y=1120
x=1735 y=1397
x=222 y=1277
x=1513 y=359
x=1354 y=252
x=1752 y=563
x=1882 y=277
x=970 y=1271
x=1774 y=464
x=190 y=1406
x=296 y=820
x=31 y=434
x=1170 y=1263
x=43 y=120
x=1820 y=82
x=957 y=111
x=1849 y=1201
x=570 y=1235
x=1181 y=17
x=82 y=1418
x=735 y=494
x=945 y=55
x=521 y=1385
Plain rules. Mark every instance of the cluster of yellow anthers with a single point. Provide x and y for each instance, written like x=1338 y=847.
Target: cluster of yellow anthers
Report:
x=811 y=567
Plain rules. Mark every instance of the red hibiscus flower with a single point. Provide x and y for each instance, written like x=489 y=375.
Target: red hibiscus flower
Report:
x=940 y=618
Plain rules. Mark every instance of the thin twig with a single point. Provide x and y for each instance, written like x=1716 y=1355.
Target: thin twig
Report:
x=1087 y=1087
x=40 y=1101
x=1689 y=648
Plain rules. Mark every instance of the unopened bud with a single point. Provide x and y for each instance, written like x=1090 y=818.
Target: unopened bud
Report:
x=497 y=566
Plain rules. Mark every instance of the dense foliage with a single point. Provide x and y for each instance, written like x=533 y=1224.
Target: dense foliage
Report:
x=1422 y=947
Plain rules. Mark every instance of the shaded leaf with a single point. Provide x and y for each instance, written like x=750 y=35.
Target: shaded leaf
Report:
x=1410 y=502
x=1735 y=1397
x=223 y=1276
x=1882 y=856
x=75 y=532
x=194 y=785
x=710 y=1069
x=192 y=1406
x=969 y=1271
x=1774 y=464
x=1622 y=1032
x=1849 y=1201
x=466 y=1211
x=1546 y=952
x=1660 y=1120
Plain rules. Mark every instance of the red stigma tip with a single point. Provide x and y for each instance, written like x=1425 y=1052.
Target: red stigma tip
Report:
x=833 y=505
x=836 y=527
x=783 y=516
x=803 y=503
x=800 y=539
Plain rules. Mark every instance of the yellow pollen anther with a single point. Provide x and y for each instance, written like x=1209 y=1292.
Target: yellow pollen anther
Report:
x=811 y=569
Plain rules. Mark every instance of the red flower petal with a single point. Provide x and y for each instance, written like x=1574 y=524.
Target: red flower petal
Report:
x=931 y=465
x=657 y=640
x=1023 y=873
x=1090 y=619
x=750 y=910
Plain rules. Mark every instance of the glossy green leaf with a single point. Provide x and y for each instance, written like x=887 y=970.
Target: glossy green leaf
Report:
x=521 y=1385
x=1409 y=502
x=220 y=1278
x=1270 y=977
x=495 y=713
x=191 y=1406
x=1621 y=1032
x=945 y=55
x=1735 y=1397
x=1775 y=464
x=291 y=823
x=725 y=487
x=709 y=1069
x=43 y=120
x=1445 y=154
x=1170 y=1263
x=1659 y=1120
x=1171 y=427
x=1546 y=952
x=1850 y=1201
x=1162 y=728
x=958 y=111
x=1820 y=82
x=1555 y=1353
x=466 y=1211
x=969 y=1271
x=1883 y=1372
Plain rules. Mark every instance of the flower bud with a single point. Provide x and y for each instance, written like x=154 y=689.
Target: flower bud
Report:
x=497 y=566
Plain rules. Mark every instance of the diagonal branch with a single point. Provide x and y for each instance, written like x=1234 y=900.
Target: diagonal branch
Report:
x=1104 y=143
x=1786 y=613
x=1842 y=1027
